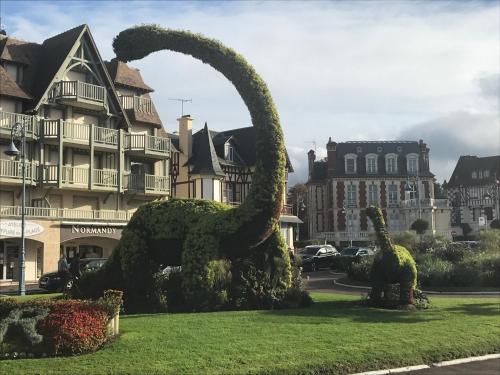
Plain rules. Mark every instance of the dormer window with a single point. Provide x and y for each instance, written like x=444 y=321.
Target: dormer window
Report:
x=359 y=150
x=391 y=166
x=228 y=152
x=371 y=163
x=350 y=163
x=412 y=163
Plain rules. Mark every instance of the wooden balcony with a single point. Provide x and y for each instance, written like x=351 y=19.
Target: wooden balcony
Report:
x=79 y=94
x=80 y=134
x=147 y=184
x=8 y=119
x=11 y=172
x=67 y=213
x=137 y=103
x=144 y=145
x=78 y=178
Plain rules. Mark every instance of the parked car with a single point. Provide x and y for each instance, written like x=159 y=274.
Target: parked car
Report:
x=355 y=251
x=60 y=280
x=314 y=257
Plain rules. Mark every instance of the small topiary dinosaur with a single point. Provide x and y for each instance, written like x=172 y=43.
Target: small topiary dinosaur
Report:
x=392 y=265
x=203 y=236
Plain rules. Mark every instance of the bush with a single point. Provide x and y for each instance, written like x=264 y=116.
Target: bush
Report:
x=490 y=240
x=495 y=224
x=453 y=252
x=74 y=327
x=420 y=226
x=434 y=271
x=406 y=239
x=360 y=270
x=24 y=321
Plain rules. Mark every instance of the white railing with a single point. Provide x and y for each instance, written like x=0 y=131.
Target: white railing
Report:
x=425 y=203
x=50 y=128
x=106 y=136
x=75 y=175
x=157 y=183
x=66 y=213
x=77 y=89
x=8 y=119
x=14 y=169
x=137 y=103
x=50 y=173
x=105 y=178
x=78 y=132
x=148 y=143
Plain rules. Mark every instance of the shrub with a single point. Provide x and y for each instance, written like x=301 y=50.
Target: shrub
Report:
x=360 y=270
x=420 y=226
x=406 y=239
x=453 y=252
x=490 y=240
x=74 y=327
x=495 y=224
x=25 y=320
x=434 y=271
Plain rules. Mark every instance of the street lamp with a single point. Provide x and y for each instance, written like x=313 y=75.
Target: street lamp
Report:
x=18 y=132
x=344 y=212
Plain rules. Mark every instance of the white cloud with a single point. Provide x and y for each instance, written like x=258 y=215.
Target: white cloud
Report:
x=349 y=70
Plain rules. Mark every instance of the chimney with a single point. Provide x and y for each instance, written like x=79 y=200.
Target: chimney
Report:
x=311 y=156
x=424 y=153
x=186 y=135
x=331 y=148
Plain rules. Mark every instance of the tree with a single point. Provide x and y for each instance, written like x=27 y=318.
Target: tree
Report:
x=420 y=226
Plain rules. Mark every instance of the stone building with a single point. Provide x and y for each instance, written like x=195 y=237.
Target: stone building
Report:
x=394 y=175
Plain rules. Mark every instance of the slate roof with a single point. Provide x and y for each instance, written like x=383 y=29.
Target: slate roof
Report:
x=319 y=172
x=361 y=149
x=462 y=174
x=9 y=87
x=124 y=75
x=18 y=51
x=204 y=159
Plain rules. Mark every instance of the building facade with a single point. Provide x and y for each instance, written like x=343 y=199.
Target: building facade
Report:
x=392 y=175
x=219 y=166
x=473 y=192
x=95 y=150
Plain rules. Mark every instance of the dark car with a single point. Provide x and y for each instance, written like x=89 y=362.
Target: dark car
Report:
x=355 y=251
x=63 y=280
x=315 y=257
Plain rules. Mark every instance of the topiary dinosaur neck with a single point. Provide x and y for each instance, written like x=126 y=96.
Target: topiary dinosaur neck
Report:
x=381 y=232
x=260 y=212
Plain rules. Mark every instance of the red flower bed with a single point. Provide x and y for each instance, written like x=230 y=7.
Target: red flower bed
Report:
x=74 y=327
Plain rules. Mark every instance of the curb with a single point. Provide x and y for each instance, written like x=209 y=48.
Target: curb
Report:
x=367 y=289
x=437 y=364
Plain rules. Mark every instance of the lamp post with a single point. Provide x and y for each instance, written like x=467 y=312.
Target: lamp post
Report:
x=300 y=207
x=18 y=131
x=348 y=225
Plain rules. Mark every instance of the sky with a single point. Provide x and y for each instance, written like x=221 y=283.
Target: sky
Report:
x=349 y=70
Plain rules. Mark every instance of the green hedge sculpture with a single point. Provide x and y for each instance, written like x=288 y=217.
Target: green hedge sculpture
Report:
x=392 y=265
x=203 y=236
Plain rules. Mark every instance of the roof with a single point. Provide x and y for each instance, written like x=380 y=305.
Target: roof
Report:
x=204 y=160
x=54 y=52
x=9 y=87
x=145 y=117
x=18 y=51
x=380 y=148
x=462 y=174
x=319 y=172
x=174 y=139
x=123 y=75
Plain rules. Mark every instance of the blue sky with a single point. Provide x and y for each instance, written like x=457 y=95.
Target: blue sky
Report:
x=354 y=70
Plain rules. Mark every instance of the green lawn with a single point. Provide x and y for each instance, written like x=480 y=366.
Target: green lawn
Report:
x=335 y=336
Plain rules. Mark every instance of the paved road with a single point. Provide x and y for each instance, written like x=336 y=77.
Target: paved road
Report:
x=489 y=367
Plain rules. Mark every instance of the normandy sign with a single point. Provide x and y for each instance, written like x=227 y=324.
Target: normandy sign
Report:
x=12 y=228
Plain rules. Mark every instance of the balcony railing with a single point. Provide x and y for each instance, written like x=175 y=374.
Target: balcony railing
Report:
x=106 y=136
x=13 y=169
x=80 y=132
x=425 y=203
x=77 y=132
x=147 y=183
x=105 y=178
x=147 y=143
x=66 y=213
x=137 y=103
x=77 y=90
x=8 y=119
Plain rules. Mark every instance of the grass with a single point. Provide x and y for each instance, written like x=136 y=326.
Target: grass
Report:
x=335 y=336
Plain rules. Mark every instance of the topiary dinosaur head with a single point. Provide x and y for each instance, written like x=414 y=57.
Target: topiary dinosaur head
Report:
x=375 y=215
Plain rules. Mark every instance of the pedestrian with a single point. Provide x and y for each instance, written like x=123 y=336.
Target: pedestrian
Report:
x=75 y=267
x=62 y=265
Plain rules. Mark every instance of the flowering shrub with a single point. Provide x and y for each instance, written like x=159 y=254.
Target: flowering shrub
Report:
x=74 y=327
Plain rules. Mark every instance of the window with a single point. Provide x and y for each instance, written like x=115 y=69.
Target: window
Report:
x=228 y=192
x=391 y=163
x=474 y=175
x=393 y=222
x=372 y=194
x=371 y=163
x=228 y=152
x=352 y=223
x=393 y=194
x=351 y=195
x=350 y=163
x=412 y=163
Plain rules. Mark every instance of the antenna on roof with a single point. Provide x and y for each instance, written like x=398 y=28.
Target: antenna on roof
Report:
x=313 y=142
x=182 y=103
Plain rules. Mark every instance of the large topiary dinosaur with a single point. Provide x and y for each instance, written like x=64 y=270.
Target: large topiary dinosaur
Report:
x=392 y=265
x=205 y=236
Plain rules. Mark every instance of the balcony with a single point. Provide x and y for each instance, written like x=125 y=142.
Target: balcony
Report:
x=78 y=177
x=79 y=134
x=11 y=172
x=8 y=119
x=137 y=103
x=144 y=145
x=79 y=94
x=147 y=184
x=425 y=203
x=67 y=213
